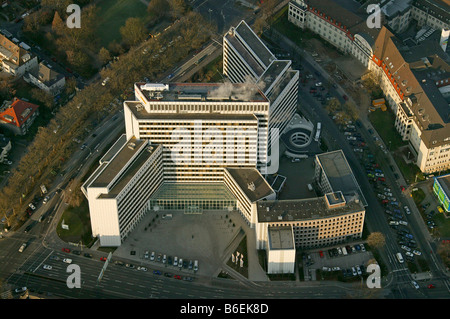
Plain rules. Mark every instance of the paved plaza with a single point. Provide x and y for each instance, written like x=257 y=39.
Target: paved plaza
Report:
x=209 y=237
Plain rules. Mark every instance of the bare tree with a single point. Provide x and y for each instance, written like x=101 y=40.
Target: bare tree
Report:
x=376 y=240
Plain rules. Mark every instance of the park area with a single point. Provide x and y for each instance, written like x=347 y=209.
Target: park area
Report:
x=112 y=16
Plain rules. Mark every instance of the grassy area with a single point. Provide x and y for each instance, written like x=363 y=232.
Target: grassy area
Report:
x=77 y=218
x=418 y=196
x=113 y=15
x=384 y=124
x=297 y=35
x=210 y=73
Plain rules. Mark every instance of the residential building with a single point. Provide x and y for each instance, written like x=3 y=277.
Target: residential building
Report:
x=412 y=71
x=433 y=13
x=414 y=78
x=18 y=115
x=15 y=60
x=47 y=79
x=343 y=28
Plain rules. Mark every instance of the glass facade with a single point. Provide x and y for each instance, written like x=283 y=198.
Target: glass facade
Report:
x=193 y=198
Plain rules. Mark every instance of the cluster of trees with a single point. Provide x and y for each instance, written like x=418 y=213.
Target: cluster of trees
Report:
x=48 y=151
x=47 y=26
x=343 y=112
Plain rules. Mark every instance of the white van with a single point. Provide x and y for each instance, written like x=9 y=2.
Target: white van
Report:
x=344 y=251
x=167 y=216
x=399 y=258
x=67 y=260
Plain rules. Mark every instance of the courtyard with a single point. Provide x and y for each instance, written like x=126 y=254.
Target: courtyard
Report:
x=209 y=237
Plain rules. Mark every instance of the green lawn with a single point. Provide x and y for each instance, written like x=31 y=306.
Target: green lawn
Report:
x=383 y=122
x=77 y=218
x=112 y=16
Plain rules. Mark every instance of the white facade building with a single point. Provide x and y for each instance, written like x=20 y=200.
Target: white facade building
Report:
x=119 y=190
x=202 y=127
x=246 y=59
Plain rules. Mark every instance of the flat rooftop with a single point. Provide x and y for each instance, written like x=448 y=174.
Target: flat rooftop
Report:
x=249 y=59
x=138 y=109
x=444 y=181
x=304 y=209
x=251 y=182
x=201 y=92
x=280 y=238
x=339 y=173
x=254 y=43
x=129 y=173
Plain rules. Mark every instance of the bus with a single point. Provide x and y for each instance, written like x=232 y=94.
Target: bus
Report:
x=319 y=127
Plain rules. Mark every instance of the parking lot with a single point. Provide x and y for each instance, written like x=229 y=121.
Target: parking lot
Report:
x=350 y=260
x=202 y=237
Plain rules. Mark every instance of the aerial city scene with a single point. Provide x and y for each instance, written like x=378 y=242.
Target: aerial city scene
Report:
x=251 y=150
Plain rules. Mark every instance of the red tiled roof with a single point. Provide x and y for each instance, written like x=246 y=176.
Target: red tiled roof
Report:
x=19 y=111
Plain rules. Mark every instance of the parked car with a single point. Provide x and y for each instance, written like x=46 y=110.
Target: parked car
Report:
x=20 y=290
x=406 y=208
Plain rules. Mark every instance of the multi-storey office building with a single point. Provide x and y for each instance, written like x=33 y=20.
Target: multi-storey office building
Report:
x=333 y=174
x=246 y=59
x=316 y=222
x=119 y=189
x=202 y=127
x=248 y=186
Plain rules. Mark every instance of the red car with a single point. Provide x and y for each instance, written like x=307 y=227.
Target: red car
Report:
x=430 y=286
x=103 y=258
x=384 y=201
x=321 y=254
x=402 y=188
x=177 y=277
x=381 y=179
x=67 y=250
